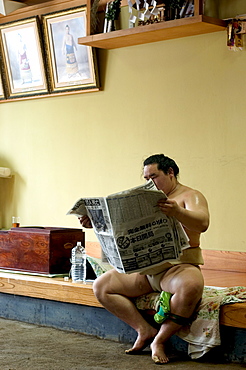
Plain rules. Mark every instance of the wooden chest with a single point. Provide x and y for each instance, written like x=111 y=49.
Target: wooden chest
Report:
x=44 y=250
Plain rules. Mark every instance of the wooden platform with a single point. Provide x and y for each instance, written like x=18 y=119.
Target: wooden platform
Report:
x=48 y=288
x=57 y=289
x=227 y=269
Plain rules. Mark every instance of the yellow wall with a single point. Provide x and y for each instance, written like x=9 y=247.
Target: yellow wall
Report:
x=184 y=98
x=228 y=8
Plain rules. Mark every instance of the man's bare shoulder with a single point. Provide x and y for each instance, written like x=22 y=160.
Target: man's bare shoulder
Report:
x=189 y=191
x=186 y=194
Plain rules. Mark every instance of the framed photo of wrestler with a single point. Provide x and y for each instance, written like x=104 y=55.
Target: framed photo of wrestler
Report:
x=22 y=58
x=71 y=67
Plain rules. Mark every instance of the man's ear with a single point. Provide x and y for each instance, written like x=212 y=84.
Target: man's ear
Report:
x=170 y=171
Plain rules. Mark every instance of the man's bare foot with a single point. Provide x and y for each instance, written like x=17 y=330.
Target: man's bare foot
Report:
x=158 y=354
x=142 y=342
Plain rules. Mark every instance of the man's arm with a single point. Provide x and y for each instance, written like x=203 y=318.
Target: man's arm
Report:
x=193 y=214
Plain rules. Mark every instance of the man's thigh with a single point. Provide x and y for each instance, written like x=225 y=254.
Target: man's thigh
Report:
x=131 y=285
x=181 y=275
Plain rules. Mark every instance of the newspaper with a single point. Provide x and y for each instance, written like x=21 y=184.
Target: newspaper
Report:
x=133 y=233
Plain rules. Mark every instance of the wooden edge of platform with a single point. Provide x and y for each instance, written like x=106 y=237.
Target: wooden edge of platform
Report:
x=48 y=288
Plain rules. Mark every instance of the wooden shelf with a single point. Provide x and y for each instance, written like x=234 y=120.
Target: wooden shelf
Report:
x=178 y=28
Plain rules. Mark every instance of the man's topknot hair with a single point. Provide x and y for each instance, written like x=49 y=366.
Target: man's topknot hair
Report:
x=163 y=162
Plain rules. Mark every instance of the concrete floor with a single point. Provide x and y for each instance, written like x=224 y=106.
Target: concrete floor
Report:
x=31 y=347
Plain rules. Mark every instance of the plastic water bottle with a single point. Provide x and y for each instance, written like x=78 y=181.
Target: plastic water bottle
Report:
x=78 y=261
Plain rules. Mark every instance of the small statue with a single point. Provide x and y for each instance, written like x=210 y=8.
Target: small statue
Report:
x=112 y=14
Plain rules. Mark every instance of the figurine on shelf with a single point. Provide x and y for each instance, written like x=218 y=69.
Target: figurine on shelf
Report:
x=112 y=15
x=155 y=11
x=235 y=30
x=177 y=8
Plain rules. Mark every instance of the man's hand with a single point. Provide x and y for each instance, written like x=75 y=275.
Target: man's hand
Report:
x=194 y=215
x=169 y=207
x=85 y=222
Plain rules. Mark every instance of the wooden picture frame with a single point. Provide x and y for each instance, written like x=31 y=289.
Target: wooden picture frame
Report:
x=2 y=95
x=22 y=57
x=71 y=67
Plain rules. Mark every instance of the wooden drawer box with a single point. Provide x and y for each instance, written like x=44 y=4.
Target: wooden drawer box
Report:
x=44 y=250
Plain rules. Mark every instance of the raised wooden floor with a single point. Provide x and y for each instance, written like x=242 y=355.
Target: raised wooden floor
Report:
x=227 y=269
x=48 y=288
x=65 y=291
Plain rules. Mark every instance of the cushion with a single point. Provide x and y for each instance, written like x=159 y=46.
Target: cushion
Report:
x=98 y=266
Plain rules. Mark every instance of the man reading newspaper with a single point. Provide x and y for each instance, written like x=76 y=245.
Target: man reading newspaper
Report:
x=135 y=235
x=179 y=281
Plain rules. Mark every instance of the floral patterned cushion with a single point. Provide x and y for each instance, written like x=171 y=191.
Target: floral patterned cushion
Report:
x=98 y=266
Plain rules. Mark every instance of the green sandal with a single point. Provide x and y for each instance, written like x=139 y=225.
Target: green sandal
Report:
x=164 y=309
x=164 y=312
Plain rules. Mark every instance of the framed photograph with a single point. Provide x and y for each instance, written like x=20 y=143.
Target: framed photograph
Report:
x=22 y=57
x=71 y=67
